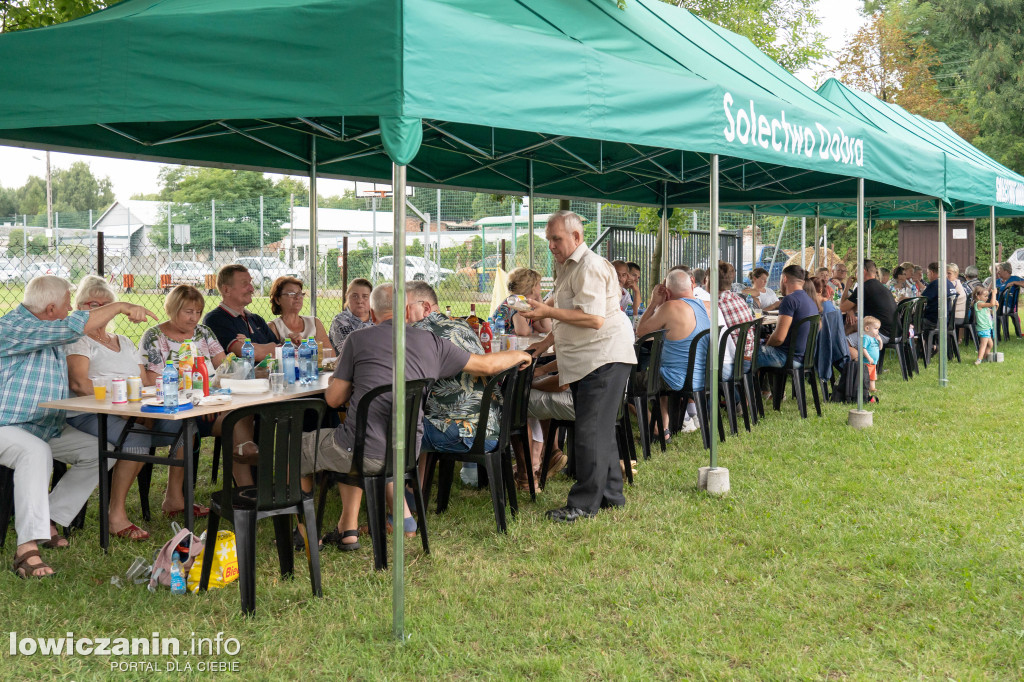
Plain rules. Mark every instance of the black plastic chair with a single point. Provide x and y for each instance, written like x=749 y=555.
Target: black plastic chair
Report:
x=751 y=379
x=1007 y=312
x=556 y=426
x=375 y=485
x=952 y=347
x=968 y=326
x=735 y=386
x=642 y=388
x=6 y=501
x=899 y=341
x=701 y=397
x=921 y=354
x=497 y=462
x=519 y=429
x=799 y=375
x=276 y=494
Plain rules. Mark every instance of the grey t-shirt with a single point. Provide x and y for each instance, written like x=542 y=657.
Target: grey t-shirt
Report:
x=367 y=361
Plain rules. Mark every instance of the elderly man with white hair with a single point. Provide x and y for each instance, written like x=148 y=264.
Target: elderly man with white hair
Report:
x=675 y=309
x=33 y=370
x=595 y=351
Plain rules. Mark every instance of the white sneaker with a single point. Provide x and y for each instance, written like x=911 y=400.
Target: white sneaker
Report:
x=690 y=425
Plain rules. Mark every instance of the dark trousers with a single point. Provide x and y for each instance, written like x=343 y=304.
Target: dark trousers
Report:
x=596 y=399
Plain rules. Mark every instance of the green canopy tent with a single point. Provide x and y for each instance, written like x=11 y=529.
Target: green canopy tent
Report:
x=567 y=98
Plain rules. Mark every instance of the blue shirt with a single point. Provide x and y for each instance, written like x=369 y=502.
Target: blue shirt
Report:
x=931 y=292
x=33 y=369
x=797 y=305
x=1001 y=284
x=675 y=355
x=226 y=326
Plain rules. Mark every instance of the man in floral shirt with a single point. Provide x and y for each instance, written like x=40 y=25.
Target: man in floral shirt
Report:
x=452 y=410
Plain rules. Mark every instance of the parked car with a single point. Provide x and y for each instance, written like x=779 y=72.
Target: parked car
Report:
x=185 y=272
x=1016 y=261
x=416 y=268
x=481 y=273
x=264 y=270
x=45 y=268
x=10 y=270
x=771 y=260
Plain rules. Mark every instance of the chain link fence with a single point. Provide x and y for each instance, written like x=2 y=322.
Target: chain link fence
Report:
x=455 y=240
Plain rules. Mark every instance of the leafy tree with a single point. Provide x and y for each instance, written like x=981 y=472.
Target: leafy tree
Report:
x=38 y=245
x=8 y=201
x=77 y=189
x=16 y=15
x=785 y=30
x=885 y=59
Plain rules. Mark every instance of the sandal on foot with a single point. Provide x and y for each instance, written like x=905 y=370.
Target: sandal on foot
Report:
x=198 y=511
x=23 y=569
x=54 y=542
x=131 y=532
x=336 y=540
x=243 y=458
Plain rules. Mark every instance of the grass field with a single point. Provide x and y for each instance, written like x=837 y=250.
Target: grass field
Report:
x=891 y=553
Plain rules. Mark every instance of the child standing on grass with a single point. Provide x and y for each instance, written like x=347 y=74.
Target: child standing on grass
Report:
x=872 y=346
x=984 y=298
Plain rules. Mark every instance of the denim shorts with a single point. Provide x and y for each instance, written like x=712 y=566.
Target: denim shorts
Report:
x=449 y=439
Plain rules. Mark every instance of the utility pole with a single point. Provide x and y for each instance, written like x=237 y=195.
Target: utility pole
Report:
x=49 y=196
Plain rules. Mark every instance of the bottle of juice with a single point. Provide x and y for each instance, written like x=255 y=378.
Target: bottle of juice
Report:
x=473 y=321
x=185 y=363
x=201 y=375
x=485 y=337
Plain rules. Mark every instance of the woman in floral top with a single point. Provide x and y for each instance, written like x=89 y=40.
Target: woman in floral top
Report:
x=900 y=286
x=184 y=308
x=355 y=315
x=523 y=282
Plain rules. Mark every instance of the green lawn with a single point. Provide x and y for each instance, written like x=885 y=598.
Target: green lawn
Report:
x=892 y=553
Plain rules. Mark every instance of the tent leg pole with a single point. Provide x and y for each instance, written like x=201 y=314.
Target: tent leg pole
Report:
x=803 y=243
x=816 y=259
x=943 y=298
x=717 y=478
x=859 y=418
x=314 y=248
x=529 y=218
x=398 y=408
x=663 y=273
x=753 y=244
x=992 y=257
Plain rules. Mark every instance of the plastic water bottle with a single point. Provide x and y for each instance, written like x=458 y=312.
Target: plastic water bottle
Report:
x=499 y=333
x=288 y=360
x=629 y=310
x=314 y=370
x=177 y=575
x=305 y=360
x=249 y=359
x=170 y=387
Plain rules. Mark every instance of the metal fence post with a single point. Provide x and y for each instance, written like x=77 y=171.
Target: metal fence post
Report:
x=261 y=226
x=344 y=263
x=213 y=230
x=803 y=243
x=170 y=235
x=99 y=253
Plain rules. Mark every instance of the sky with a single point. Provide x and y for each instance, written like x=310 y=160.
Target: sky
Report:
x=839 y=19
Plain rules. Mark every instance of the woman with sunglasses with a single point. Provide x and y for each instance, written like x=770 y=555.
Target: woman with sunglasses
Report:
x=286 y=299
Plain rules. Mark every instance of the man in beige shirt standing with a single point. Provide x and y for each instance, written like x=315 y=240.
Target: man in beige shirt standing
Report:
x=594 y=342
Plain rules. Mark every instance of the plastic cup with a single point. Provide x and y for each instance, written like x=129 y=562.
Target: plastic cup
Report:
x=277 y=382
x=100 y=391
x=137 y=569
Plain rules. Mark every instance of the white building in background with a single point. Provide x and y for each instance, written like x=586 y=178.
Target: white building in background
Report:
x=123 y=224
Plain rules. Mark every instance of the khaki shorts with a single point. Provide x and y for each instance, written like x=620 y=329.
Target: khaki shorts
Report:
x=551 y=405
x=326 y=455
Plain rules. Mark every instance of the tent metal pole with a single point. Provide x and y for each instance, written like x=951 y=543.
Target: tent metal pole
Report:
x=529 y=218
x=816 y=259
x=871 y=229
x=992 y=257
x=664 y=230
x=398 y=406
x=943 y=297
x=803 y=243
x=860 y=295
x=314 y=249
x=753 y=242
x=712 y=277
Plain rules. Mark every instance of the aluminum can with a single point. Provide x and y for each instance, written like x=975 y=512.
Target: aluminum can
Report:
x=134 y=389
x=118 y=391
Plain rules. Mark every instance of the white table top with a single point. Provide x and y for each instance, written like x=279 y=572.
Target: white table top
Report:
x=90 y=404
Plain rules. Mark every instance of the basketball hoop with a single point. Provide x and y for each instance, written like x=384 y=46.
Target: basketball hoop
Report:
x=369 y=190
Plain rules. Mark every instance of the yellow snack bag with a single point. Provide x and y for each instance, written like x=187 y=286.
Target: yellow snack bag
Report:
x=225 y=562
